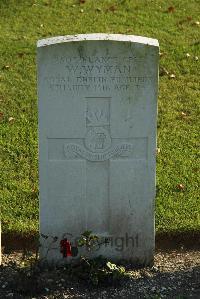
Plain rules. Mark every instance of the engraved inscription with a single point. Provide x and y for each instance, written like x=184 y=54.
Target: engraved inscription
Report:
x=98 y=69
x=97 y=73
x=72 y=148
x=87 y=83
x=98 y=112
x=98 y=142
x=58 y=150
x=97 y=139
x=91 y=59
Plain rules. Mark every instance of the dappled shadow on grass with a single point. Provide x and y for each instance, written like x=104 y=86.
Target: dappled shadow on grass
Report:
x=187 y=240
x=164 y=241
x=19 y=241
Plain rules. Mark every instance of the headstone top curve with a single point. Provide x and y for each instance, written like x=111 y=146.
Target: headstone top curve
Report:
x=97 y=37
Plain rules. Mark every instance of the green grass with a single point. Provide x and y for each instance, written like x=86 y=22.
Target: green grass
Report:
x=23 y=22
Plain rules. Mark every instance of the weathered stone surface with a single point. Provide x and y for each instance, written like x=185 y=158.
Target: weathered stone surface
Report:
x=97 y=141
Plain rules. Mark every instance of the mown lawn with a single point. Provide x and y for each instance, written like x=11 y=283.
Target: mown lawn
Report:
x=175 y=24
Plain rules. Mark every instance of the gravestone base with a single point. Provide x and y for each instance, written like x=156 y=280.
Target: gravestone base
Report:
x=115 y=248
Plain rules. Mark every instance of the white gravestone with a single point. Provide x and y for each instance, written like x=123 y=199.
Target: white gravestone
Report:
x=97 y=142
